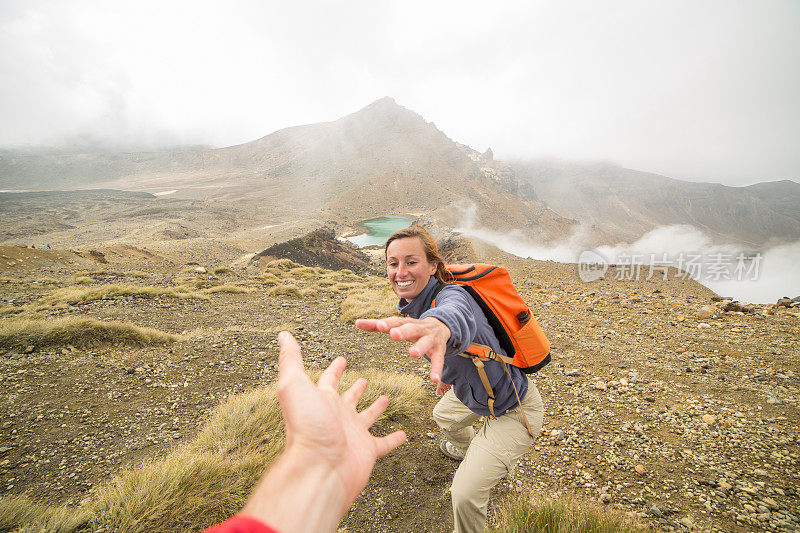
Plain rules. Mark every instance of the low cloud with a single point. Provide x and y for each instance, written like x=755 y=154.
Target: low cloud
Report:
x=747 y=275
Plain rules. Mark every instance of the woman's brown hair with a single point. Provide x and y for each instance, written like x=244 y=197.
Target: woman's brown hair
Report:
x=431 y=251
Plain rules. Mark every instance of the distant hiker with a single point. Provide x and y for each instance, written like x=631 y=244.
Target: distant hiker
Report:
x=328 y=457
x=418 y=275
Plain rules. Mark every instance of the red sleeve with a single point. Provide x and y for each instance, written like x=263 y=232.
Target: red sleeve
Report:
x=241 y=524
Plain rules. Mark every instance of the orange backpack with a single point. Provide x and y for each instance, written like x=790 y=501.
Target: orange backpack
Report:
x=515 y=328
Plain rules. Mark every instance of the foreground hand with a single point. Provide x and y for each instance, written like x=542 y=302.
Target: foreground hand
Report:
x=329 y=451
x=429 y=336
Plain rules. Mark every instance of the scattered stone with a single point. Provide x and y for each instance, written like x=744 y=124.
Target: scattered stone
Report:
x=639 y=469
x=200 y=270
x=709 y=419
x=605 y=498
x=732 y=307
x=600 y=385
x=707 y=311
x=573 y=372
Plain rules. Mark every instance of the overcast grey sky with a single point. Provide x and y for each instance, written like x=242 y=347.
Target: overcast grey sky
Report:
x=702 y=90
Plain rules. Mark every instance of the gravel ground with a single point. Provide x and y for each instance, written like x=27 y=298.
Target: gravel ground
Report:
x=687 y=421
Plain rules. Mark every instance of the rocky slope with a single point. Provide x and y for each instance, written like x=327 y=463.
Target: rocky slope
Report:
x=658 y=402
x=383 y=159
x=628 y=203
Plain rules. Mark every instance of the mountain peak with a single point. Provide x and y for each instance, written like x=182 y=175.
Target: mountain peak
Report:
x=386 y=102
x=385 y=107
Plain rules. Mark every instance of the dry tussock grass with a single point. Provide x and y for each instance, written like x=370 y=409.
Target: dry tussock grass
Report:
x=19 y=332
x=405 y=392
x=229 y=288
x=207 y=480
x=345 y=287
x=305 y=272
x=280 y=265
x=82 y=280
x=183 y=283
x=9 y=310
x=285 y=290
x=269 y=279
x=369 y=303
x=82 y=295
x=249 y=423
x=528 y=511
x=369 y=293
x=182 y=492
x=20 y=513
x=221 y=270
x=308 y=292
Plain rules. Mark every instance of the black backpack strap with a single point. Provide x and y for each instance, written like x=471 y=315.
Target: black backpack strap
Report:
x=436 y=292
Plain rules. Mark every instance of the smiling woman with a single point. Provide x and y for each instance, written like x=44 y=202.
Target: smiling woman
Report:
x=441 y=332
x=408 y=267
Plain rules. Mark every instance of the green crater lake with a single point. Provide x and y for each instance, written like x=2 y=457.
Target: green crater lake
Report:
x=380 y=229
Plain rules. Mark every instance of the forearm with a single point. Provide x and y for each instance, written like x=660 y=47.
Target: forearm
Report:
x=298 y=493
x=456 y=315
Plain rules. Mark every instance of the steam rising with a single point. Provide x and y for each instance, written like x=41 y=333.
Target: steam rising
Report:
x=764 y=276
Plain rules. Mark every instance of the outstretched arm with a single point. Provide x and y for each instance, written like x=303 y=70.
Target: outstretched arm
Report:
x=329 y=451
x=428 y=335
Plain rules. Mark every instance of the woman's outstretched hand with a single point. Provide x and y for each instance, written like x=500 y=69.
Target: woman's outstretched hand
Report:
x=429 y=336
x=329 y=451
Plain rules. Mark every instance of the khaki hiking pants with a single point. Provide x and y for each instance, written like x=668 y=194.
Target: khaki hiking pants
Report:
x=490 y=454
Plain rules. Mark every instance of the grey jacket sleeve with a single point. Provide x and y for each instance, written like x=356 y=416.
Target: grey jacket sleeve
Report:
x=454 y=308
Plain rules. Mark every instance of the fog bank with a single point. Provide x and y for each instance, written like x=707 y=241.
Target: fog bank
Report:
x=747 y=275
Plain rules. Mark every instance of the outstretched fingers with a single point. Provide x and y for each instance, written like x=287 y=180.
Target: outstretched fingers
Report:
x=383 y=325
x=437 y=366
x=384 y=445
x=329 y=379
x=367 y=324
x=352 y=395
x=408 y=331
x=428 y=345
x=290 y=360
x=369 y=415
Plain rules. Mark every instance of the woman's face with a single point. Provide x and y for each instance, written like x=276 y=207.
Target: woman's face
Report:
x=407 y=267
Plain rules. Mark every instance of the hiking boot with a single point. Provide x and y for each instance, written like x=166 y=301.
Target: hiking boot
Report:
x=451 y=451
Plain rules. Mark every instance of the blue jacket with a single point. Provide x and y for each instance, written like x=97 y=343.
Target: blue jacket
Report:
x=467 y=323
